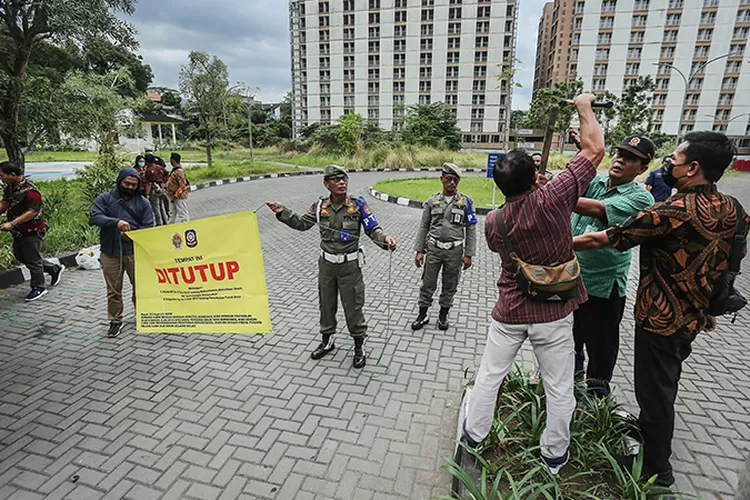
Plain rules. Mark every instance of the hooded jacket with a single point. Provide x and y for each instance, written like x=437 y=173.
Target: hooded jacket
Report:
x=107 y=212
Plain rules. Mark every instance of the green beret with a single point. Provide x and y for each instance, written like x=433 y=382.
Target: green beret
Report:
x=451 y=168
x=334 y=170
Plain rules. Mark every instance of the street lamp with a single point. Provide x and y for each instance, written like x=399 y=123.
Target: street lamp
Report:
x=727 y=122
x=687 y=81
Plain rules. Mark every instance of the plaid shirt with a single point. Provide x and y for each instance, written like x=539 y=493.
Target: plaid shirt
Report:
x=539 y=228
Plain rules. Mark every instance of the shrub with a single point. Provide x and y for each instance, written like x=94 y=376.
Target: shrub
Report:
x=101 y=175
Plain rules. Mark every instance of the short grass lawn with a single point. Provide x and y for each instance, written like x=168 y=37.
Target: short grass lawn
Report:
x=232 y=169
x=421 y=188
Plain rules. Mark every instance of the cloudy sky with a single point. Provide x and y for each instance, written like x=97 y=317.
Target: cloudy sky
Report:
x=252 y=38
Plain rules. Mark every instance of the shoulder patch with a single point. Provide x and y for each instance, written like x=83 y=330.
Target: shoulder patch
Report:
x=367 y=218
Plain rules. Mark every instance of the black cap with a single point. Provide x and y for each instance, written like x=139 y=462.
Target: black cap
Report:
x=639 y=145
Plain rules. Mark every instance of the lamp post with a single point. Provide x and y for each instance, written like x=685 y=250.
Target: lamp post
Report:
x=687 y=81
x=727 y=122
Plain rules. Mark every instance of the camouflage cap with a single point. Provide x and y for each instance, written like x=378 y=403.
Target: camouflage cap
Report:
x=451 y=168
x=333 y=171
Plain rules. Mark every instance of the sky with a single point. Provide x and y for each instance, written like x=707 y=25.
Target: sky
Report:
x=252 y=38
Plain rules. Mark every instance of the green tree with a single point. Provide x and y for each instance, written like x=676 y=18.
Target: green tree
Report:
x=204 y=81
x=635 y=114
x=103 y=56
x=545 y=99
x=432 y=125
x=27 y=24
x=350 y=131
x=94 y=107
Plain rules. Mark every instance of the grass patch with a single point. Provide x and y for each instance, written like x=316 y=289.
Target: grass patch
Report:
x=508 y=459
x=231 y=169
x=421 y=188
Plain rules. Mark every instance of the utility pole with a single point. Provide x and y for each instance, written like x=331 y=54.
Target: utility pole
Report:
x=250 y=129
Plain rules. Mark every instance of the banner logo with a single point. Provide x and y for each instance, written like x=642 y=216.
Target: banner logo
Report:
x=191 y=238
x=177 y=241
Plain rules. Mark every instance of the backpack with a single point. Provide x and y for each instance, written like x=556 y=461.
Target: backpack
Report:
x=726 y=299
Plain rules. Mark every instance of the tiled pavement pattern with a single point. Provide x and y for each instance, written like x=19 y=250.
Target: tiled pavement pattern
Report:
x=231 y=416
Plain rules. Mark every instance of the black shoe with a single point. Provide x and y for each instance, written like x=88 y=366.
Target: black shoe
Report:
x=359 y=360
x=324 y=348
x=114 y=330
x=36 y=293
x=664 y=479
x=57 y=275
x=421 y=320
x=443 y=319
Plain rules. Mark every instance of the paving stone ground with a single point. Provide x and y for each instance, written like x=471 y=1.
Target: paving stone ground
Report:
x=232 y=416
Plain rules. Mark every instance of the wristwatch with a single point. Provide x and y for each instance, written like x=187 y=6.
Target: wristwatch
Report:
x=14 y=223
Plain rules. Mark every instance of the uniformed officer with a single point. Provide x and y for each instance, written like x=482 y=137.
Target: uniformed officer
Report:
x=447 y=239
x=340 y=219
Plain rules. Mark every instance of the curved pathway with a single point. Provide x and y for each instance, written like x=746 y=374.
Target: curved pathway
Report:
x=232 y=416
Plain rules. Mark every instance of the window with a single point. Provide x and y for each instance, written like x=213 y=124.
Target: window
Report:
x=604 y=22
x=598 y=84
x=673 y=19
x=477 y=126
x=740 y=33
x=324 y=21
x=701 y=51
x=425 y=86
x=635 y=53
x=696 y=84
x=609 y=5
x=668 y=36
x=425 y=72
x=325 y=76
x=425 y=59
x=399 y=86
x=483 y=27
x=373 y=47
x=373 y=61
x=426 y=44
x=482 y=12
x=373 y=32
x=632 y=68
x=708 y=18
x=325 y=115
x=348 y=5
x=399 y=59
x=325 y=101
x=373 y=74
x=325 y=62
x=729 y=83
x=667 y=52
x=349 y=34
x=400 y=4
x=348 y=19
x=325 y=36
x=348 y=100
x=477 y=100
x=600 y=69
x=399 y=45
x=675 y=4
x=705 y=34
x=736 y=50
x=637 y=36
x=606 y=38
x=428 y=14
x=374 y=17
x=451 y=72
x=426 y=30
x=373 y=100
x=726 y=99
x=348 y=87
x=400 y=16
x=454 y=28
x=477 y=114
x=399 y=31
x=424 y=99
x=480 y=71
x=398 y=99
x=325 y=88
x=348 y=61
x=639 y=21
x=325 y=48
x=479 y=85
x=659 y=116
x=451 y=100
x=373 y=114
x=660 y=100
x=454 y=13
x=374 y=4
x=399 y=73
x=480 y=57
x=452 y=57
x=710 y=3
x=602 y=53
x=348 y=74
x=641 y=5
x=733 y=67
x=454 y=43
x=451 y=86
x=662 y=83
x=743 y=16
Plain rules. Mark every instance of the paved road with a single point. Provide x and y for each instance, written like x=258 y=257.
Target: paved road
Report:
x=230 y=416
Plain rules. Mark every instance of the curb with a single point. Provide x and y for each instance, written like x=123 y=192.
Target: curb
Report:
x=19 y=275
x=405 y=202
x=235 y=180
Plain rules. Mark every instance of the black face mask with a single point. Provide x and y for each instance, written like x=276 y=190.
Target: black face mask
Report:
x=129 y=192
x=668 y=175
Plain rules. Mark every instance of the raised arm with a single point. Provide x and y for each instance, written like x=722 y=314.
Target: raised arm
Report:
x=591 y=136
x=293 y=220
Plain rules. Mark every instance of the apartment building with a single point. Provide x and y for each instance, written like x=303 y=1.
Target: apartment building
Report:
x=553 y=43
x=612 y=42
x=378 y=57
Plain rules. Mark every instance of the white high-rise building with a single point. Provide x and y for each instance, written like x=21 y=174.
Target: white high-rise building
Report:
x=378 y=57
x=615 y=41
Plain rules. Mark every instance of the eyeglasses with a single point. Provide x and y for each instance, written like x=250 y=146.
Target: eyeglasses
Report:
x=451 y=179
x=337 y=179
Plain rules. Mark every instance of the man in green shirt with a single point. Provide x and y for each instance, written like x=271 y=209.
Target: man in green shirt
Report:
x=609 y=200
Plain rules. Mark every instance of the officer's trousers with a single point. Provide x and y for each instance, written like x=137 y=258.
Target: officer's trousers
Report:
x=450 y=262
x=344 y=280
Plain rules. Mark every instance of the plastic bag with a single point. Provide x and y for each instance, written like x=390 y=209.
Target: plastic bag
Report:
x=88 y=258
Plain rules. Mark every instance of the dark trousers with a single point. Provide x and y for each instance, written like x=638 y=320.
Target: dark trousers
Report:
x=596 y=326
x=345 y=281
x=27 y=251
x=658 y=366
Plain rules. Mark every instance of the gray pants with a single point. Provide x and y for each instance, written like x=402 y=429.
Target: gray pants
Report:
x=343 y=280
x=27 y=251
x=450 y=262
x=178 y=211
x=158 y=205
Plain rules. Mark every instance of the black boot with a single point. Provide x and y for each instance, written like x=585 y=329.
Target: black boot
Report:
x=324 y=348
x=443 y=318
x=422 y=319
x=359 y=354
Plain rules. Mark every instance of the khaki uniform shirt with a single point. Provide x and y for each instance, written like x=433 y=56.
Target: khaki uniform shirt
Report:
x=340 y=224
x=447 y=221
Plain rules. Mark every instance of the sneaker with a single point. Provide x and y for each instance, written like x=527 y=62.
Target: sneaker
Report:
x=57 y=275
x=114 y=330
x=468 y=439
x=36 y=293
x=555 y=464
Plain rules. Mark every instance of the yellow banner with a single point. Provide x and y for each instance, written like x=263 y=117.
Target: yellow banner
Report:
x=204 y=276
